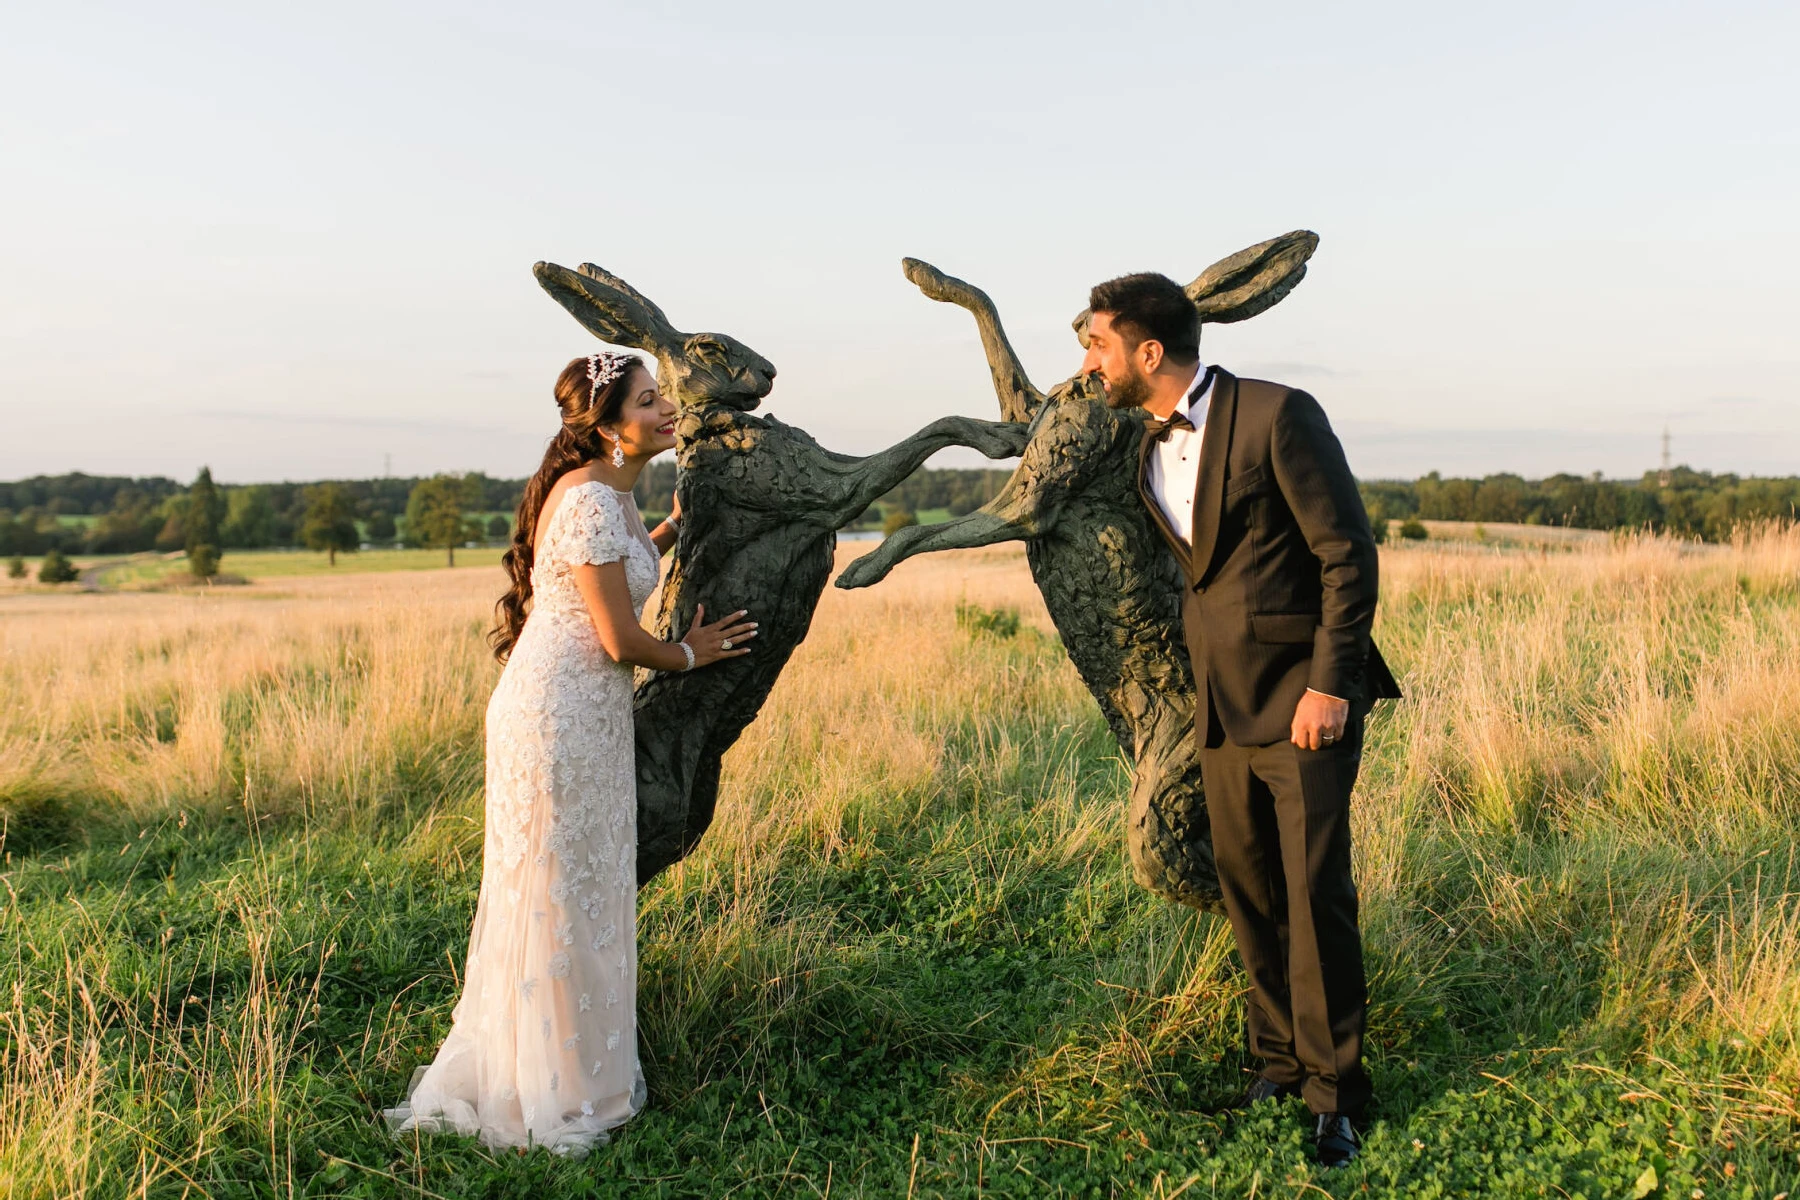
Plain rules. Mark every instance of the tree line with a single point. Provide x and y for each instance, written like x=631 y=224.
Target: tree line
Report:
x=1693 y=504
x=60 y=515
x=94 y=514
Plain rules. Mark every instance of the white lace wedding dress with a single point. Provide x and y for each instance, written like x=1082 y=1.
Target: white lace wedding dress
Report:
x=543 y=1042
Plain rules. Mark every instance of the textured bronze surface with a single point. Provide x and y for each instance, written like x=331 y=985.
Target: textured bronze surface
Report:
x=1111 y=585
x=761 y=505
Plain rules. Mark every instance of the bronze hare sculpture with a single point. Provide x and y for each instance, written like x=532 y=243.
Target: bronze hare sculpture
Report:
x=761 y=506
x=1111 y=586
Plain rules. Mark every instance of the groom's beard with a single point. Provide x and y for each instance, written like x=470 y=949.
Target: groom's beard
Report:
x=1129 y=392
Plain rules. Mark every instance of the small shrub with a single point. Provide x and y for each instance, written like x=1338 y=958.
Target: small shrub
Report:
x=1412 y=530
x=57 y=569
x=896 y=520
x=977 y=621
x=16 y=568
x=203 y=561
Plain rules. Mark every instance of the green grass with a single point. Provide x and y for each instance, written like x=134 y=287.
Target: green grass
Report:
x=951 y=987
x=925 y=516
x=1027 y=1025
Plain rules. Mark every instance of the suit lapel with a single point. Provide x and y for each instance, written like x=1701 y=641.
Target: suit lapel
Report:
x=1157 y=516
x=1209 y=491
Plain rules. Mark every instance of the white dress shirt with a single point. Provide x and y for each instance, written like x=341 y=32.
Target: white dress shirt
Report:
x=1175 y=461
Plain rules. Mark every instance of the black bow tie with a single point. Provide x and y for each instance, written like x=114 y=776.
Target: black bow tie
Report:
x=1160 y=430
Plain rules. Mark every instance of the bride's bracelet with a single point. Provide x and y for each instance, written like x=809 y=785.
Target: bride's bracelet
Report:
x=688 y=652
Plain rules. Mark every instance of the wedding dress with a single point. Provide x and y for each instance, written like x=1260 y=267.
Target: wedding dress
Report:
x=543 y=1041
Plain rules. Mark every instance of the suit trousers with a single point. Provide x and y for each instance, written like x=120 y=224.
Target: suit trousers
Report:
x=1280 y=820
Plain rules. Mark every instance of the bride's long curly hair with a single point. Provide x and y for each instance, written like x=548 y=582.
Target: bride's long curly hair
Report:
x=578 y=442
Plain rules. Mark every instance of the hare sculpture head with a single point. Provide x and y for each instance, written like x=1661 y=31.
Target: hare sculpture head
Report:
x=696 y=368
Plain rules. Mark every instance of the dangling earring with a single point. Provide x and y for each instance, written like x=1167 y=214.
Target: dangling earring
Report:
x=618 y=455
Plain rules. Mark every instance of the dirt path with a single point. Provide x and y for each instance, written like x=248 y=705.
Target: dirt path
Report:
x=90 y=578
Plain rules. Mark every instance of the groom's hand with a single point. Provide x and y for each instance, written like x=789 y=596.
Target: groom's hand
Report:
x=1319 y=720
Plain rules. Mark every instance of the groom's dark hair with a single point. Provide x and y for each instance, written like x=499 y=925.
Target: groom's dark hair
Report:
x=1148 y=305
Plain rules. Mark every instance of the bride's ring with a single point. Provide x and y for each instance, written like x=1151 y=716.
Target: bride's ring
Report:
x=725 y=645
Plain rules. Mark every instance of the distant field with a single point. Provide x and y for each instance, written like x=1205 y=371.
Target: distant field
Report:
x=1503 y=535
x=271 y=564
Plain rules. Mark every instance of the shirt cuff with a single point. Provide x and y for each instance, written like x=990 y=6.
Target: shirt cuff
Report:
x=1328 y=695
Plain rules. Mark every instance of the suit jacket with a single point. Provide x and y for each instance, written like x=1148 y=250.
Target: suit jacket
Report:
x=1281 y=576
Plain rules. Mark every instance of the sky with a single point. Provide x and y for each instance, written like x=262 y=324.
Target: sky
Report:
x=295 y=242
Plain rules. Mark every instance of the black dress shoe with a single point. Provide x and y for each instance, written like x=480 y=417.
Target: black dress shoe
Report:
x=1261 y=1089
x=1335 y=1141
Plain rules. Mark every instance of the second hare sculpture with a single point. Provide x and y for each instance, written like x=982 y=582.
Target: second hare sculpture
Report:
x=1112 y=588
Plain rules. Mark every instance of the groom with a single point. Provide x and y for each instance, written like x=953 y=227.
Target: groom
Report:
x=1249 y=486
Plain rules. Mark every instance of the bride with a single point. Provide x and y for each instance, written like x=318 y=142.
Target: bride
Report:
x=543 y=1041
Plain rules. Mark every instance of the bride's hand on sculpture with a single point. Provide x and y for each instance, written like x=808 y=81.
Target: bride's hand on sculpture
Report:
x=721 y=639
x=608 y=599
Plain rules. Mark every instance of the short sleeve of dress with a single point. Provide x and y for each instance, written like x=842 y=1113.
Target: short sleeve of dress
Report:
x=597 y=532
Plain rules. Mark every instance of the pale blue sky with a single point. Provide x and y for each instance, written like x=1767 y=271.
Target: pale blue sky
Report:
x=287 y=242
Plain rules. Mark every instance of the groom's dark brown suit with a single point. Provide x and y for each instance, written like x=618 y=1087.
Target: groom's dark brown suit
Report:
x=1280 y=597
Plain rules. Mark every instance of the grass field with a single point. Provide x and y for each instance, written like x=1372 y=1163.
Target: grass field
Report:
x=243 y=839
x=282 y=564
x=1499 y=535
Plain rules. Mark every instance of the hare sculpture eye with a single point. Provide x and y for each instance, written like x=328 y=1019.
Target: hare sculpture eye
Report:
x=706 y=350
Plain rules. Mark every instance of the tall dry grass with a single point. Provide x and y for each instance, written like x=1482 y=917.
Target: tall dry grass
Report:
x=1593 y=786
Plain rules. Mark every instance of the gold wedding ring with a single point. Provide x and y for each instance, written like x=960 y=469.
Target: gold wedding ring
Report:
x=725 y=645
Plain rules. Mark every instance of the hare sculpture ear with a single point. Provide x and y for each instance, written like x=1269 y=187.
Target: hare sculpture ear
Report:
x=1254 y=280
x=1080 y=325
x=609 y=308
x=1238 y=287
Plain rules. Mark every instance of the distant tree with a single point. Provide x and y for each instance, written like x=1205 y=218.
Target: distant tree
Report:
x=206 y=512
x=1412 y=530
x=24 y=534
x=1397 y=500
x=16 y=568
x=329 y=525
x=249 y=518
x=129 y=526
x=381 y=526
x=173 y=535
x=57 y=569
x=499 y=528
x=435 y=514
x=896 y=520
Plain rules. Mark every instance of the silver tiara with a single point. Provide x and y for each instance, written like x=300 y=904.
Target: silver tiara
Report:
x=604 y=367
